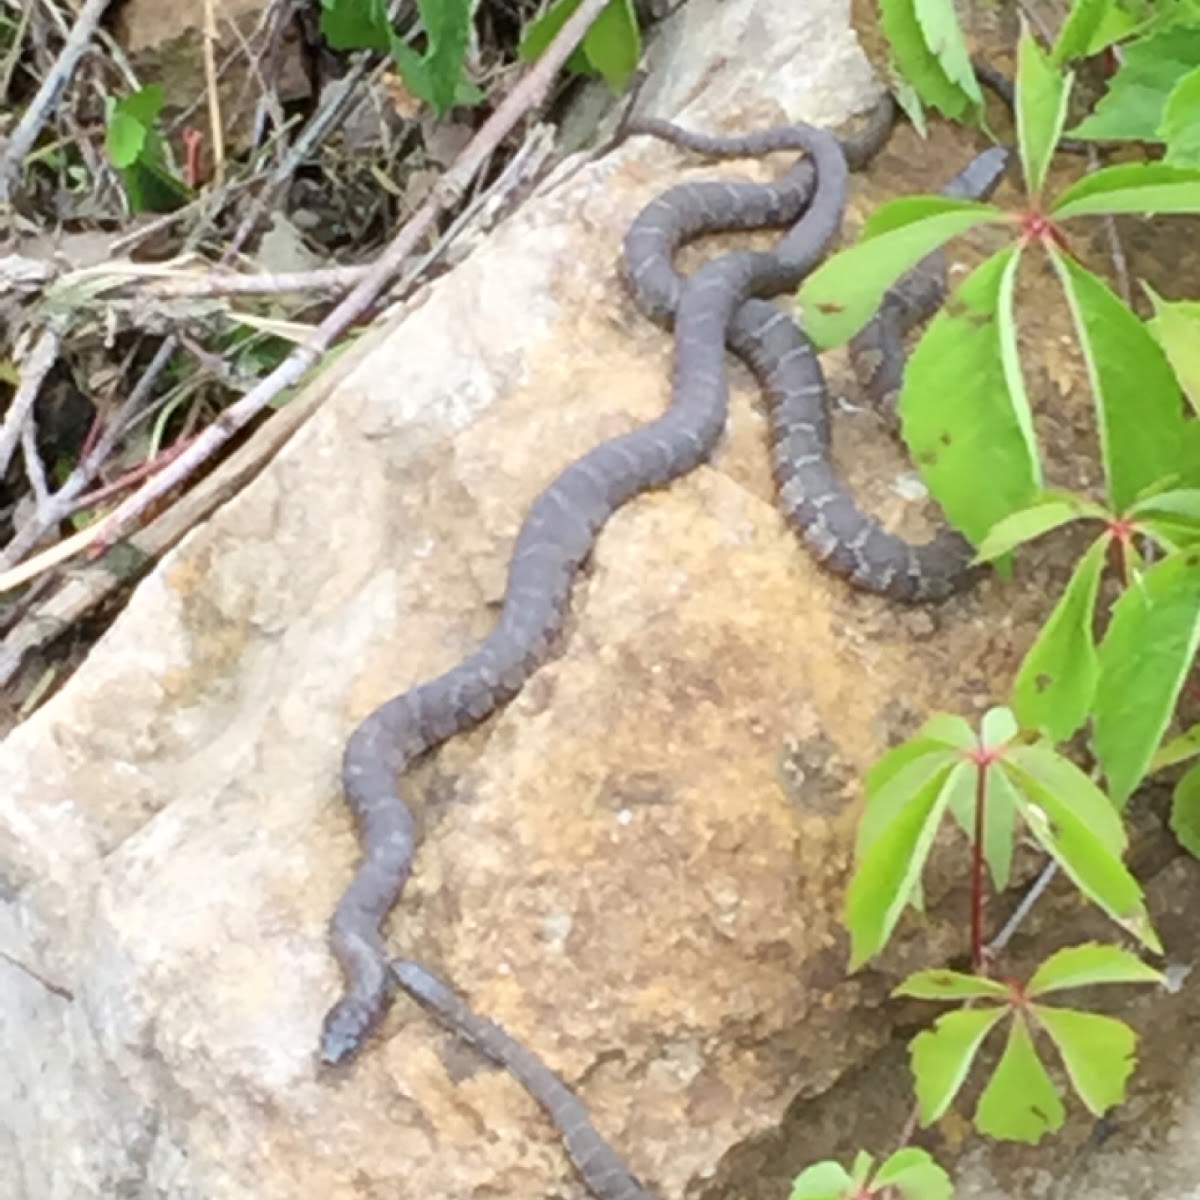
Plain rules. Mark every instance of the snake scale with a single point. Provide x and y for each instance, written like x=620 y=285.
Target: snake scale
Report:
x=721 y=303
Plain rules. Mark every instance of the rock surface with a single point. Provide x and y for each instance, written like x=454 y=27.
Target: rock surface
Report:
x=636 y=867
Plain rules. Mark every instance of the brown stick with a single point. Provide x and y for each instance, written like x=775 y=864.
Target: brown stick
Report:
x=527 y=95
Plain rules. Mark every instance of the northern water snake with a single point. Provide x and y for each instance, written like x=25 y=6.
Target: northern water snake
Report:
x=715 y=305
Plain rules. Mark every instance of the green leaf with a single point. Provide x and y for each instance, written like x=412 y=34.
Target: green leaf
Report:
x=999 y=827
x=1019 y=1103
x=822 y=1181
x=1097 y=1051
x=1177 y=750
x=1176 y=327
x=1137 y=398
x=1042 y=95
x=1179 y=502
x=998 y=728
x=356 y=24
x=1145 y=656
x=915 y=1175
x=1083 y=853
x=613 y=44
x=894 y=781
x=969 y=350
x=1180 y=127
x=1137 y=95
x=940 y=983
x=1089 y=964
x=1185 y=811
x=1058 y=773
x=1050 y=511
x=843 y=294
x=948 y=730
x=129 y=125
x=889 y=870
x=1057 y=680
x=1148 y=189
x=435 y=76
x=920 y=64
x=941 y=1057
x=1172 y=536
x=1083 y=24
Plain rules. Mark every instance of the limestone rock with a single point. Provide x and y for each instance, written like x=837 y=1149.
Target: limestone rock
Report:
x=636 y=867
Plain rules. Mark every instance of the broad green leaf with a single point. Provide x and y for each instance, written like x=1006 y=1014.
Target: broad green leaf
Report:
x=1171 y=535
x=1091 y=963
x=1097 y=1051
x=1176 y=327
x=915 y=1175
x=1042 y=95
x=843 y=294
x=447 y=25
x=1075 y=789
x=1083 y=855
x=919 y=63
x=1050 y=511
x=822 y=1181
x=940 y=983
x=356 y=24
x=998 y=727
x=1177 y=750
x=1148 y=189
x=1180 y=127
x=900 y=213
x=1137 y=398
x=1132 y=108
x=1054 y=688
x=892 y=784
x=1185 y=811
x=129 y=124
x=941 y=1057
x=949 y=730
x=999 y=816
x=890 y=869
x=860 y=1172
x=1020 y=1103
x=944 y=36
x=1083 y=24
x=1181 y=502
x=969 y=351
x=613 y=44
x=1145 y=657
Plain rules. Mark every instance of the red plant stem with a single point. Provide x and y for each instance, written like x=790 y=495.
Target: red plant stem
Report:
x=977 y=946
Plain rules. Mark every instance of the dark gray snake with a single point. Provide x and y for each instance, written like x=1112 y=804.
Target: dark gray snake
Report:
x=716 y=305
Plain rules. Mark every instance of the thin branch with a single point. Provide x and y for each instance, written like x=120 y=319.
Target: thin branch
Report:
x=525 y=96
x=36 y=367
x=41 y=108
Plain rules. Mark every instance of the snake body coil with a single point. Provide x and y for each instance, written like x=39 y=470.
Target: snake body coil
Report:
x=720 y=304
